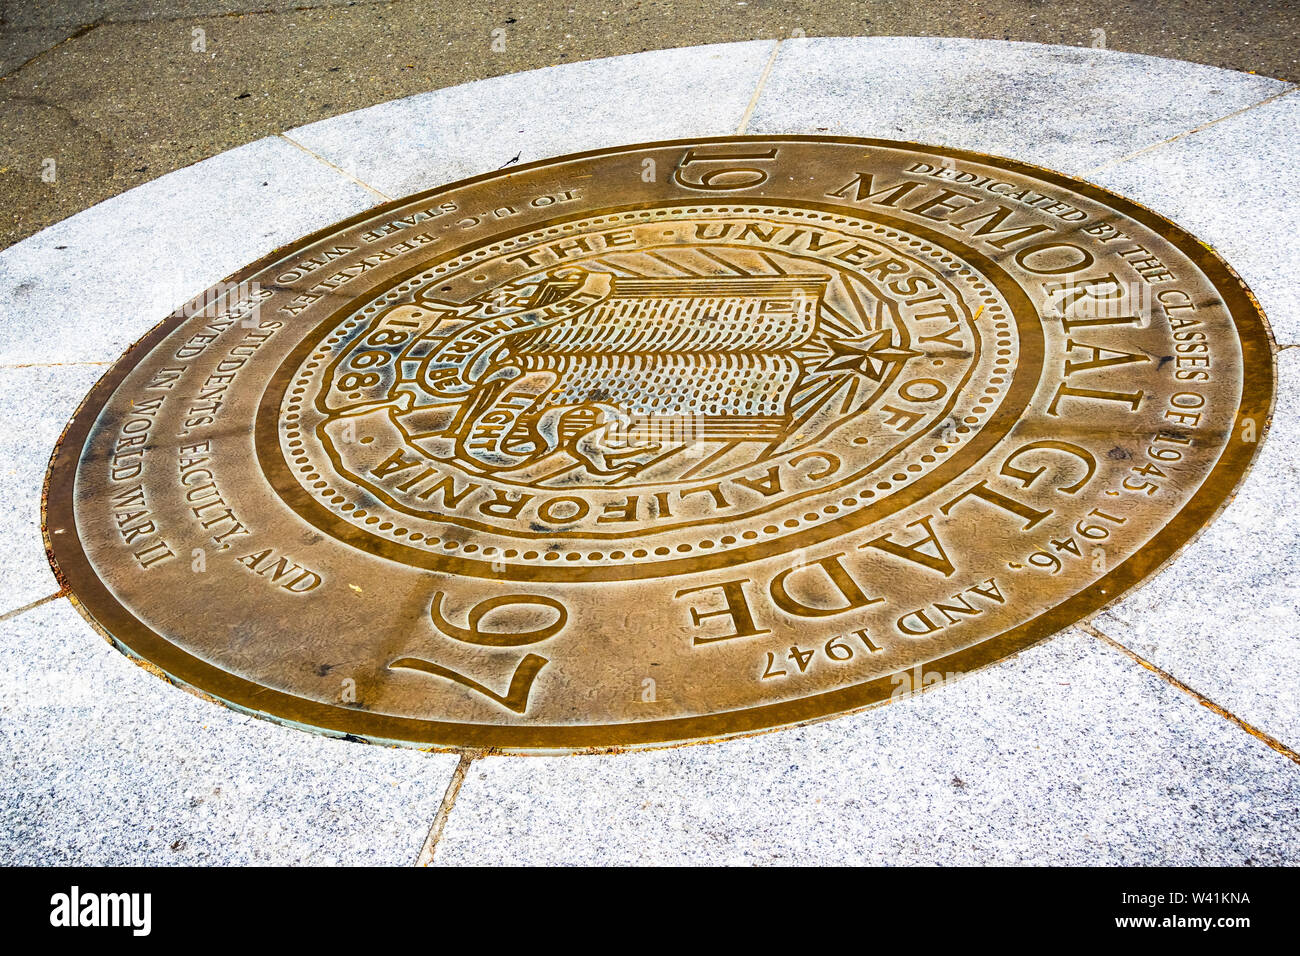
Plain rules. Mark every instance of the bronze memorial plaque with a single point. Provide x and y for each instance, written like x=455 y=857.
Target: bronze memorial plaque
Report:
x=660 y=443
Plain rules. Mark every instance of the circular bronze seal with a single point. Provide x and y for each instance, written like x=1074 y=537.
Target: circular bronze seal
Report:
x=659 y=444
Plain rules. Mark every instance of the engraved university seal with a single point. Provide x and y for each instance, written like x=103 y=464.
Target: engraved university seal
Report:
x=660 y=443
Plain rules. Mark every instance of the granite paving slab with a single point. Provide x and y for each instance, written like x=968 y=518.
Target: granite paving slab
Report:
x=1066 y=108
x=86 y=288
x=36 y=402
x=1222 y=618
x=1236 y=185
x=1068 y=754
x=101 y=763
x=423 y=141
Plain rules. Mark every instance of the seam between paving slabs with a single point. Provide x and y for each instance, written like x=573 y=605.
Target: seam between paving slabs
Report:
x=8 y=615
x=444 y=810
x=758 y=90
x=1091 y=628
x=1185 y=133
x=342 y=172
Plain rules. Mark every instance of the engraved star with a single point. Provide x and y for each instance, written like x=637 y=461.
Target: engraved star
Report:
x=869 y=355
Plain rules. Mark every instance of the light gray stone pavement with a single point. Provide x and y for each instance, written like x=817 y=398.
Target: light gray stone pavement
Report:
x=85 y=289
x=1066 y=108
x=1073 y=752
x=103 y=763
x=1224 y=618
x=434 y=138
x=31 y=427
x=1236 y=185
x=1067 y=754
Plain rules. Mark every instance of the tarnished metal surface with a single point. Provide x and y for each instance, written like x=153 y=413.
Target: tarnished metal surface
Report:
x=660 y=443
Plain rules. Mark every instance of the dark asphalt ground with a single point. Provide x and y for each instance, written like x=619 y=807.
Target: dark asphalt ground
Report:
x=119 y=92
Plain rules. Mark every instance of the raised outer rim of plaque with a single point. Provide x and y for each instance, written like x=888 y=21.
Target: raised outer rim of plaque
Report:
x=158 y=655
